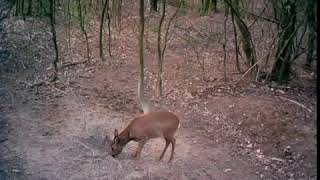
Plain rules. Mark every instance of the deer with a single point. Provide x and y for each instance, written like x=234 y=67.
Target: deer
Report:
x=154 y=124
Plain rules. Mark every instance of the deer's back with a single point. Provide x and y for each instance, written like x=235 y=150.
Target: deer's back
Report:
x=154 y=124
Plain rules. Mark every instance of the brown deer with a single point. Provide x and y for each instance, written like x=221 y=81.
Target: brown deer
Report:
x=147 y=126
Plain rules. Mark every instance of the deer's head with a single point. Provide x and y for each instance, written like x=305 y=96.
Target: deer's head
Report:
x=117 y=144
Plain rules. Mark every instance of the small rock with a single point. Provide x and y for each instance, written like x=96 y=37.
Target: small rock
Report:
x=134 y=174
x=249 y=145
x=287 y=151
x=280 y=171
x=227 y=170
x=281 y=91
x=259 y=151
x=231 y=106
x=15 y=170
x=273 y=84
x=252 y=85
x=260 y=156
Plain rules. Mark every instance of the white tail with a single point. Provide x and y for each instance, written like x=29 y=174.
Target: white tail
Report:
x=141 y=129
x=145 y=105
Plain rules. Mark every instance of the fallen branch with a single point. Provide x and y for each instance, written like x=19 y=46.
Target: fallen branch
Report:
x=277 y=159
x=36 y=84
x=250 y=69
x=297 y=103
x=73 y=64
x=84 y=76
x=57 y=89
x=41 y=83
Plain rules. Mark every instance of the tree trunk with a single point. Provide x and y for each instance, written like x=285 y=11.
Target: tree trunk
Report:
x=247 y=43
x=54 y=39
x=101 y=30
x=282 y=66
x=224 y=46
x=116 y=13
x=235 y=42
x=22 y=10
x=160 y=58
x=109 y=29
x=311 y=31
x=69 y=25
x=81 y=21
x=119 y=14
x=141 y=55
x=207 y=6
x=153 y=5
x=214 y=5
x=29 y=12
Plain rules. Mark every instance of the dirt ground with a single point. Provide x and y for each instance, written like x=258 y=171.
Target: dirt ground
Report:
x=57 y=130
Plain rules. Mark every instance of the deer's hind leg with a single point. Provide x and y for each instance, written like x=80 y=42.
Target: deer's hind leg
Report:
x=165 y=148
x=173 y=143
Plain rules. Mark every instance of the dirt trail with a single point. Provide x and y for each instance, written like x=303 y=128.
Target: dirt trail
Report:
x=64 y=140
x=57 y=131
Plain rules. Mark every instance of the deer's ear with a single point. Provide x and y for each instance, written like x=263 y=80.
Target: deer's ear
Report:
x=116 y=133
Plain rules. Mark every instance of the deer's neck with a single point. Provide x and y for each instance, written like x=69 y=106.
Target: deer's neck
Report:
x=125 y=136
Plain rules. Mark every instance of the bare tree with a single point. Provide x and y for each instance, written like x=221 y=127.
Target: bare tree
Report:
x=208 y=5
x=143 y=104
x=247 y=43
x=83 y=30
x=54 y=39
x=154 y=5
x=160 y=58
x=29 y=12
x=235 y=42
x=311 y=31
x=104 y=11
x=162 y=49
x=116 y=13
x=224 y=45
x=284 y=54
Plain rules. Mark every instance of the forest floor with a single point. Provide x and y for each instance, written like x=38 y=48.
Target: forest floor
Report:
x=57 y=130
